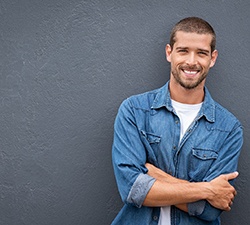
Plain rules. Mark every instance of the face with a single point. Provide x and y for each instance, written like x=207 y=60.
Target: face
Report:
x=191 y=58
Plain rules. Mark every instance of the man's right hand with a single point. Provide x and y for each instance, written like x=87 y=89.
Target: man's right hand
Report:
x=221 y=192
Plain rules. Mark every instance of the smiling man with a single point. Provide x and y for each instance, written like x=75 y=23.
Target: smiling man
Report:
x=175 y=149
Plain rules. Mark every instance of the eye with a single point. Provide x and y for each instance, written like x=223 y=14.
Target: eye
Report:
x=203 y=53
x=182 y=50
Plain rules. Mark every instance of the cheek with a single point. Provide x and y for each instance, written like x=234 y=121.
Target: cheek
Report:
x=174 y=60
x=207 y=64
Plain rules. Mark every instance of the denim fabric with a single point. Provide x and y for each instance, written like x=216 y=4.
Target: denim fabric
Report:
x=148 y=130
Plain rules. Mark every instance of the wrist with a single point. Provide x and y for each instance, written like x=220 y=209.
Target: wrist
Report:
x=206 y=190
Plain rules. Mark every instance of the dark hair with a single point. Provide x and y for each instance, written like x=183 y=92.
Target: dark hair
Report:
x=193 y=25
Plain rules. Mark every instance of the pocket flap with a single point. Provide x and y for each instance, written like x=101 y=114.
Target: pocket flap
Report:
x=152 y=138
x=205 y=154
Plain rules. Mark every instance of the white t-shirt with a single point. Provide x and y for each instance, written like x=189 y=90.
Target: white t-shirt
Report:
x=186 y=114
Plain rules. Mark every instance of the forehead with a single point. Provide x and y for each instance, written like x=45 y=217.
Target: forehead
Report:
x=193 y=40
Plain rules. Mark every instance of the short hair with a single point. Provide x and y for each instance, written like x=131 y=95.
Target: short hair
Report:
x=193 y=25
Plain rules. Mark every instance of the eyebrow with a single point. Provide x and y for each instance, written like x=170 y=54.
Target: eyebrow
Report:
x=181 y=48
x=203 y=50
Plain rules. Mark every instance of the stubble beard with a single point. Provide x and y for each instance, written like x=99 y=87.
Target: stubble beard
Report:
x=188 y=84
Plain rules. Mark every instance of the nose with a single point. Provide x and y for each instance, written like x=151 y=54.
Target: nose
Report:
x=191 y=59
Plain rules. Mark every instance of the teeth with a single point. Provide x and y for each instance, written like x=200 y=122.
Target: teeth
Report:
x=190 y=72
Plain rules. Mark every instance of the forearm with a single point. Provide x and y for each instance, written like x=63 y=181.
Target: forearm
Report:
x=168 y=190
x=161 y=175
x=196 y=208
x=163 y=193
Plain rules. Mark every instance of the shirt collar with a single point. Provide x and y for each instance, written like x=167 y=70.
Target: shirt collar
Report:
x=163 y=99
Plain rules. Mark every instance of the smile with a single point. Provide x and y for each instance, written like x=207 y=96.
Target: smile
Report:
x=191 y=72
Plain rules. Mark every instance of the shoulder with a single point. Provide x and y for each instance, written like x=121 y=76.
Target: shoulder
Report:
x=143 y=101
x=218 y=114
x=225 y=117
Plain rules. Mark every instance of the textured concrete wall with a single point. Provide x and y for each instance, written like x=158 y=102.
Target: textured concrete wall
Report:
x=65 y=68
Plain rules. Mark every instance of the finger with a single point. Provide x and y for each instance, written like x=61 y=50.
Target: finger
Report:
x=231 y=176
x=228 y=208
x=148 y=165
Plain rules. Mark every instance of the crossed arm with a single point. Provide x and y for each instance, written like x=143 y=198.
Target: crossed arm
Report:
x=168 y=190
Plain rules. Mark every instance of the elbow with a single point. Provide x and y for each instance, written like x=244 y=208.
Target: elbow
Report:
x=139 y=190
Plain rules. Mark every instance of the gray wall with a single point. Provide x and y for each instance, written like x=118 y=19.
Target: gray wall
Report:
x=65 y=68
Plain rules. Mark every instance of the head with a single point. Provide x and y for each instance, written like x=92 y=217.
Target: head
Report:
x=191 y=52
x=193 y=25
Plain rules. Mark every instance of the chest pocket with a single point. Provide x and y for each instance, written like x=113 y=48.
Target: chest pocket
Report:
x=151 y=142
x=152 y=138
x=200 y=162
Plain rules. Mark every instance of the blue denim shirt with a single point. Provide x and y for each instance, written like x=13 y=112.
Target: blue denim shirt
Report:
x=147 y=129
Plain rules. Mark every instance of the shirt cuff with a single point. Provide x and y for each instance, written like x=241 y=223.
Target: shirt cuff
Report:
x=196 y=208
x=140 y=189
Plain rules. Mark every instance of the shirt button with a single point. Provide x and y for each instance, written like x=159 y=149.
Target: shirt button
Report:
x=174 y=147
x=176 y=121
x=155 y=218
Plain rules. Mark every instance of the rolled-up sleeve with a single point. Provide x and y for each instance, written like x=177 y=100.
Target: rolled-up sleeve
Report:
x=139 y=190
x=203 y=210
x=129 y=157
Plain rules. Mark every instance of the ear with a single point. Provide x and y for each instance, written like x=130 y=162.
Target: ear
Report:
x=213 y=58
x=168 y=51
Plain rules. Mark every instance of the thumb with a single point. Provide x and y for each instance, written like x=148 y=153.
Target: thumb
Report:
x=231 y=176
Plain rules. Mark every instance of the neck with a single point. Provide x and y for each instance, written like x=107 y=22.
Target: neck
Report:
x=186 y=96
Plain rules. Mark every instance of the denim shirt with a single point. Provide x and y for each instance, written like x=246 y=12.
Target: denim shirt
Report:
x=147 y=129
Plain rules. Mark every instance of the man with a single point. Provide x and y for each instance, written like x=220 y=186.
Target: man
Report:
x=175 y=149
